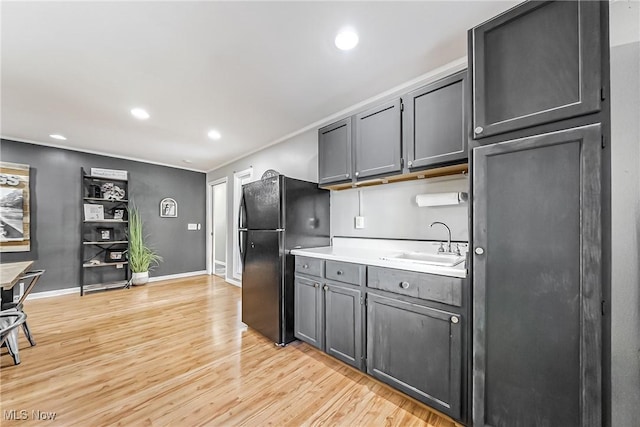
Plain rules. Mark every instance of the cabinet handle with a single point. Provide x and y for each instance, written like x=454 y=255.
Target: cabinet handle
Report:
x=357 y=174
x=325 y=287
x=409 y=163
x=479 y=251
x=478 y=130
x=339 y=273
x=454 y=319
x=305 y=266
x=404 y=285
x=346 y=175
x=316 y=285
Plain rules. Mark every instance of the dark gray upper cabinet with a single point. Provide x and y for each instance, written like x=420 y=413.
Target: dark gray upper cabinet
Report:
x=416 y=349
x=308 y=311
x=334 y=152
x=434 y=123
x=537 y=280
x=537 y=63
x=378 y=144
x=343 y=324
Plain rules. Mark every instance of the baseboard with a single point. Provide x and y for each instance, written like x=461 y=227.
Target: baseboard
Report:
x=177 y=276
x=233 y=282
x=76 y=290
x=55 y=293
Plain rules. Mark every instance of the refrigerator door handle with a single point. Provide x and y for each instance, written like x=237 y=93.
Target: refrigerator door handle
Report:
x=242 y=213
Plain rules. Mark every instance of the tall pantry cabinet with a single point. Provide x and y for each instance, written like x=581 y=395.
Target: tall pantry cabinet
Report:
x=539 y=160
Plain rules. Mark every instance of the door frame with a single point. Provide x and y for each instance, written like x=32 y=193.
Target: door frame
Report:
x=209 y=224
x=234 y=275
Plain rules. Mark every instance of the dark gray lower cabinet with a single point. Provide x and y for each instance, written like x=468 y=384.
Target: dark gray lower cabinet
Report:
x=416 y=349
x=343 y=323
x=537 y=281
x=329 y=316
x=308 y=311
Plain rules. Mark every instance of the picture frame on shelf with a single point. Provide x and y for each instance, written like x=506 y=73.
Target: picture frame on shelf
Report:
x=93 y=212
x=118 y=214
x=168 y=208
x=105 y=234
x=109 y=173
x=114 y=255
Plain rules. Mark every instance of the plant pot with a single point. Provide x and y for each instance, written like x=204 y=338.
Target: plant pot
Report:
x=139 y=278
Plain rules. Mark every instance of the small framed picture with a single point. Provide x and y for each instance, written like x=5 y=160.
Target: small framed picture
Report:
x=105 y=234
x=93 y=212
x=168 y=208
x=118 y=214
x=114 y=255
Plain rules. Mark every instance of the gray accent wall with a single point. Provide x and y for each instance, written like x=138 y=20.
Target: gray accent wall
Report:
x=625 y=213
x=55 y=185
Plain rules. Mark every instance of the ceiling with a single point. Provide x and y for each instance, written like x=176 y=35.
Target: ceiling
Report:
x=256 y=71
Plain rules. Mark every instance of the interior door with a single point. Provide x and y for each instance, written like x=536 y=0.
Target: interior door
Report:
x=262 y=283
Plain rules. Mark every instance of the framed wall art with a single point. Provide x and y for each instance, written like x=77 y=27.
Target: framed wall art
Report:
x=168 y=208
x=14 y=208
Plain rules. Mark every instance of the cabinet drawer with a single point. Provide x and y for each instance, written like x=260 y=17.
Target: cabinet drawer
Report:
x=344 y=272
x=310 y=266
x=447 y=290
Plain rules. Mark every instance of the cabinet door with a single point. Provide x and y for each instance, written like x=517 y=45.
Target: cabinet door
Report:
x=334 y=152
x=416 y=349
x=343 y=323
x=537 y=63
x=537 y=280
x=378 y=140
x=308 y=311
x=434 y=130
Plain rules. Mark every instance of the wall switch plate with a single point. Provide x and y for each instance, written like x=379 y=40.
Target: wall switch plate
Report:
x=192 y=226
x=359 y=222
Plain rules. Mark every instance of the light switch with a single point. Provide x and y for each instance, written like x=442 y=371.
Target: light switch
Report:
x=359 y=222
x=192 y=226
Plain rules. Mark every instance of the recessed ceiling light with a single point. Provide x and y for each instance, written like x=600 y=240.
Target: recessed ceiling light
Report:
x=188 y=161
x=214 y=134
x=140 y=114
x=346 y=39
x=56 y=136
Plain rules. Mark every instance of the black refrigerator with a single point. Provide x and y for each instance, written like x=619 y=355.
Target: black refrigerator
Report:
x=277 y=214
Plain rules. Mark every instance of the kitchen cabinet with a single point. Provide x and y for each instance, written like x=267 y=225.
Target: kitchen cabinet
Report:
x=416 y=349
x=334 y=152
x=343 y=323
x=540 y=62
x=328 y=314
x=378 y=140
x=537 y=280
x=308 y=311
x=434 y=123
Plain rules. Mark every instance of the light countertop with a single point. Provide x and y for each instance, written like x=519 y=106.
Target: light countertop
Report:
x=371 y=252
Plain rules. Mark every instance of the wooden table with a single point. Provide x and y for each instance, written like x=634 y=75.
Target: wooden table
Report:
x=11 y=272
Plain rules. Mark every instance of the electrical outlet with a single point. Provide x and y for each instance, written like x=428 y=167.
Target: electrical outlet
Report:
x=359 y=222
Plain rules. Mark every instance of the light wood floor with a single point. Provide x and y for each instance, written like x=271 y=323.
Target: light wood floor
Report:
x=175 y=353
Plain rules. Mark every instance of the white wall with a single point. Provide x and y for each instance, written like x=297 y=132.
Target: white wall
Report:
x=625 y=207
x=391 y=211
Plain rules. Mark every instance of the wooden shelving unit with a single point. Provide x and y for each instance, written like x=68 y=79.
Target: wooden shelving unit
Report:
x=104 y=231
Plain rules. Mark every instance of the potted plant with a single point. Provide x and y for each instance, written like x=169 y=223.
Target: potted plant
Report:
x=141 y=256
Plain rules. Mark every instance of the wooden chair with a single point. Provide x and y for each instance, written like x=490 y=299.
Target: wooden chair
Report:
x=33 y=277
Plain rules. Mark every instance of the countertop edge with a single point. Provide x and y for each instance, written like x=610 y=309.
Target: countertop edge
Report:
x=429 y=269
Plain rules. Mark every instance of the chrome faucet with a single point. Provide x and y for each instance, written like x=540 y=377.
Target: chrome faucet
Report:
x=448 y=239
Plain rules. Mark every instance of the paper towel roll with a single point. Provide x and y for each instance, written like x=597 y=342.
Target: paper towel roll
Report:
x=441 y=199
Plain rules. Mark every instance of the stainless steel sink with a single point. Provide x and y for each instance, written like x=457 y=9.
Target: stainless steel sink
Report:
x=443 y=260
